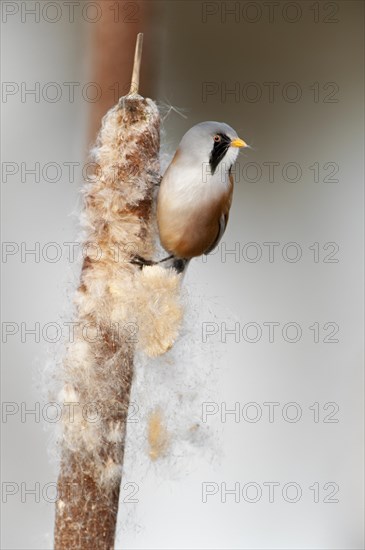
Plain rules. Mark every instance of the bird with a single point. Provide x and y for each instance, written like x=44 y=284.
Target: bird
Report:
x=195 y=193
x=196 y=190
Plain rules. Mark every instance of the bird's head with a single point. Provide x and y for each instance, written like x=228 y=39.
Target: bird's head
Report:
x=211 y=142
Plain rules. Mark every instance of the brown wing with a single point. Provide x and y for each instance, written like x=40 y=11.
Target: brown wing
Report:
x=222 y=227
x=223 y=221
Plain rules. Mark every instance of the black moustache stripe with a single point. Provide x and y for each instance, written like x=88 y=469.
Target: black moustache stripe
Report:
x=218 y=152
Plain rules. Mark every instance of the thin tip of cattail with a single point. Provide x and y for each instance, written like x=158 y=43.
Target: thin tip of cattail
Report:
x=136 y=65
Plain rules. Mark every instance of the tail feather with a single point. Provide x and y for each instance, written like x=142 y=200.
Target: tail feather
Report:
x=179 y=264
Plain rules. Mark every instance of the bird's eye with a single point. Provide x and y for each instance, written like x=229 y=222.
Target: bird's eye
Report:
x=217 y=138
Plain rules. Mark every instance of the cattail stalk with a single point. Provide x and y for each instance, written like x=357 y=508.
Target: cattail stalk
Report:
x=118 y=308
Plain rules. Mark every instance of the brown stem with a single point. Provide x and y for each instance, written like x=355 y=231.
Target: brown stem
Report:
x=136 y=65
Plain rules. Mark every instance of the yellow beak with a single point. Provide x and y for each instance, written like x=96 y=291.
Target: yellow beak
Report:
x=238 y=143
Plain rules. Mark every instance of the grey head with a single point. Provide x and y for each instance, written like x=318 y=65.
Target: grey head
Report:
x=211 y=142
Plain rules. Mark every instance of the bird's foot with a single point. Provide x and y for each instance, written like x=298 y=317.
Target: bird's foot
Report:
x=179 y=264
x=141 y=262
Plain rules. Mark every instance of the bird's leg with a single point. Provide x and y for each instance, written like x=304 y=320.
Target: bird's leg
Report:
x=165 y=259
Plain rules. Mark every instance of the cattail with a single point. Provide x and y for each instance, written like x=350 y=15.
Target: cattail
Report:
x=118 y=308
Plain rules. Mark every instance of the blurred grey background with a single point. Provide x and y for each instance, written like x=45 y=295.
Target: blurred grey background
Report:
x=289 y=77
